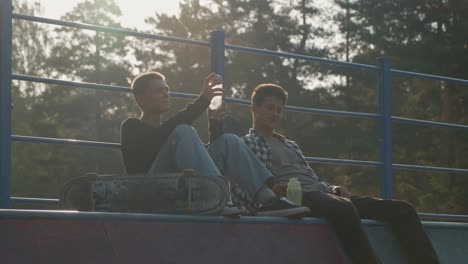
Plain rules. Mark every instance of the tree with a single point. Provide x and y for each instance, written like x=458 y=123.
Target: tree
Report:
x=29 y=51
x=64 y=112
x=94 y=57
x=423 y=36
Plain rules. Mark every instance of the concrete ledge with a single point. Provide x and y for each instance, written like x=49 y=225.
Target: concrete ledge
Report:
x=34 y=236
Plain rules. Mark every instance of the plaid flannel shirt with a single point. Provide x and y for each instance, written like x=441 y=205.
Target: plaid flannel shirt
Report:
x=261 y=150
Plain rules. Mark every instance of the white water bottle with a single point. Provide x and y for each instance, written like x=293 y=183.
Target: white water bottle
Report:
x=294 y=193
x=217 y=100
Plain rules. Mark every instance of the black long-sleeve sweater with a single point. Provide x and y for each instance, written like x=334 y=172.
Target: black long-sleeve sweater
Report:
x=141 y=143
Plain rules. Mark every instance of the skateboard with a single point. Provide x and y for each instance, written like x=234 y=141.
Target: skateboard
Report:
x=171 y=193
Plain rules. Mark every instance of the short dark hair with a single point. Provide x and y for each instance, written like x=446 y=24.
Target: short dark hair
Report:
x=264 y=90
x=141 y=82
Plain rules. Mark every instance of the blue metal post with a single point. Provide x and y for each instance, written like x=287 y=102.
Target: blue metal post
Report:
x=385 y=136
x=6 y=9
x=217 y=59
x=217 y=52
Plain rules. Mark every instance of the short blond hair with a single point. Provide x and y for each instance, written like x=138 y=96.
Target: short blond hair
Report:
x=142 y=81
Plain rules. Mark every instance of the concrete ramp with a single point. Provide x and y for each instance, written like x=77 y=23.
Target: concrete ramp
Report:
x=76 y=237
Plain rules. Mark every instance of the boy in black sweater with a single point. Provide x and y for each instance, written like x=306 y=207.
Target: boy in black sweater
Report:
x=151 y=147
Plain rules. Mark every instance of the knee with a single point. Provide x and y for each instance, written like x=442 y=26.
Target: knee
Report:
x=403 y=206
x=184 y=130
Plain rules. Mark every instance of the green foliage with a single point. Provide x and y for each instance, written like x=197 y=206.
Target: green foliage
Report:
x=423 y=36
x=64 y=112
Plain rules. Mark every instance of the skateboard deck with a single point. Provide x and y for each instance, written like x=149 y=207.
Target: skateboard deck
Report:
x=173 y=193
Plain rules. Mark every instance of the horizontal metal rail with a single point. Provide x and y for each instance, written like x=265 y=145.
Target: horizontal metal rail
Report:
x=443 y=216
x=311 y=110
x=428 y=168
x=231 y=47
x=119 y=31
x=343 y=161
x=65 y=141
x=311 y=159
x=302 y=57
x=75 y=84
x=405 y=120
x=395 y=165
x=332 y=112
x=71 y=83
x=429 y=76
x=186 y=95
x=27 y=200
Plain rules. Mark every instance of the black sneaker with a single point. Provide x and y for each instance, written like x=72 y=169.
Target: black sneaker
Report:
x=282 y=207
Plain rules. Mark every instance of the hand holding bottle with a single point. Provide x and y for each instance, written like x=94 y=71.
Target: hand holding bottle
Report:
x=209 y=89
x=341 y=191
x=217 y=87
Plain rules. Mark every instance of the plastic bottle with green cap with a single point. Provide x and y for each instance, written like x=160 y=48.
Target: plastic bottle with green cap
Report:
x=294 y=193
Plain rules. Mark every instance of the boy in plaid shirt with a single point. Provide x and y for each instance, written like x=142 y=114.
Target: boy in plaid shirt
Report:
x=337 y=204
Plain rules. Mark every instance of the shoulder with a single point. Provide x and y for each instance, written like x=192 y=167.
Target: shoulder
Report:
x=130 y=123
x=292 y=144
x=288 y=141
x=285 y=140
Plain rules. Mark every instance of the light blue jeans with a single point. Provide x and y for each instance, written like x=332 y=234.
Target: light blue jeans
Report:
x=227 y=155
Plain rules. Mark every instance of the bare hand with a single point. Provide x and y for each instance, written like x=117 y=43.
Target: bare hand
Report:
x=280 y=189
x=208 y=92
x=342 y=191
x=217 y=114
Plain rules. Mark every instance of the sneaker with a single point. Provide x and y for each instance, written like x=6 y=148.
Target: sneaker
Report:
x=282 y=207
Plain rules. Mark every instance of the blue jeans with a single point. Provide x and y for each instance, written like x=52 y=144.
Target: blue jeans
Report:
x=227 y=155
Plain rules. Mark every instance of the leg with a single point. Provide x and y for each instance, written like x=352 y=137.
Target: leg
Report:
x=183 y=149
x=234 y=158
x=404 y=222
x=345 y=220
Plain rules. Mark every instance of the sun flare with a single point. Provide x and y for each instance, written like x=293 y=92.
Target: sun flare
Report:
x=134 y=12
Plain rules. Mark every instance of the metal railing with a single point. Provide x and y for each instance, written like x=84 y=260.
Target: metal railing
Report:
x=217 y=47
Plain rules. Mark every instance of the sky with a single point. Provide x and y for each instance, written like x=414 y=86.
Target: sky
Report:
x=133 y=11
